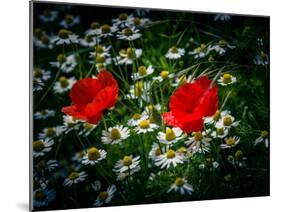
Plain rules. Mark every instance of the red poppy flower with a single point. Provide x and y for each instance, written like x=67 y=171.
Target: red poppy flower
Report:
x=190 y=103
x=90 y=97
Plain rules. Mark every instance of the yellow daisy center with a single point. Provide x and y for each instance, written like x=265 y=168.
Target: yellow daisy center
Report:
x=88 y=38
x=115 y=134
x=100 y=58
x=130 y=53
x=93 y=154
x=99 y=49
x=182 y=150
x=179 y=181
x=105 y=29
x=142 y=70
x=264 y=134
x=170 y=134
x=136 y=116
x=38 y=146
x=103 y=195
x=174 y=50
x=40 y=196
x=127 y=32
x=164 y=74
x=144 y=124
x=64 y=33
x=127 y=160
x=137 y=21
x=230 y=141
x=45 y=39
x=63 y=82
x=222 y=43
x=95 y=25
x=227 y=121
x=61 y=58
x=171 y=154
x=182 y=79
x=87 y=126
x=157 y=152
x=238 y=154
x=220 y=131
x=227 y=78
x=123 y=16
x=73 y=175
x=38 y=73
x=197 y=136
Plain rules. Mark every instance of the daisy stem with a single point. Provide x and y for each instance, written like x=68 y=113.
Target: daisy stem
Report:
x=80 y=140
x=104 y=123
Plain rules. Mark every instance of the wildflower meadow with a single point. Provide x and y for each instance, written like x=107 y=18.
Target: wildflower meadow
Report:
x=136 y=106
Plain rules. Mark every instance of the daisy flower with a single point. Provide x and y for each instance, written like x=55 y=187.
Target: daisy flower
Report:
x=221 y=17
x=221 y=47
x=101 y=61
x=142 y=12
x=145 y=126
x=261 y=59
x=87 y=129
x=94 y=29
x=122 y=20
x=50 y=132
x=43 y=197
x=65 y=37
x=198 y=142
x=157 y=150
x=89 y=41
x=38 y=84
x=64 y=84
x=175 y=53
x=216 y=117
x=41 y=74
x=238 y=159
x=48 y=16
x=137 y=22
x=50 y=165
x=127 y=56
x=135 y=119
x=69 y=21
x=200 y=52
x=128 y=165
x=180 y=185
x=140 y=90
x=171 y=136
x=142 y=72
x=107 y=31
x=44 y=42
x=41 y=147
x=74 y=178
x=220 y=132
x=66 y=64
x=168 y=159
x=263 y=138
x=44 y=114
x=78 y=156
x=101 y=50
x=163 y=76
x=105 y=197
x=114 y=135
x=180 y=80
x=93 y=156
x=129 y=34
x=69 y=124
x=226 y=121
x=227 y=79
x=230 y=142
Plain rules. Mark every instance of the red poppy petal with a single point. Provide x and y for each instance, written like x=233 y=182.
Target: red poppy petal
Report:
x=209 y=103
x=204 y=82
x=106 y=78
x=189 y=122
x=84 y=91
x=95 y=118
x=186 y=97
x=105 y=99
x=75 y=112
x=170 y=119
